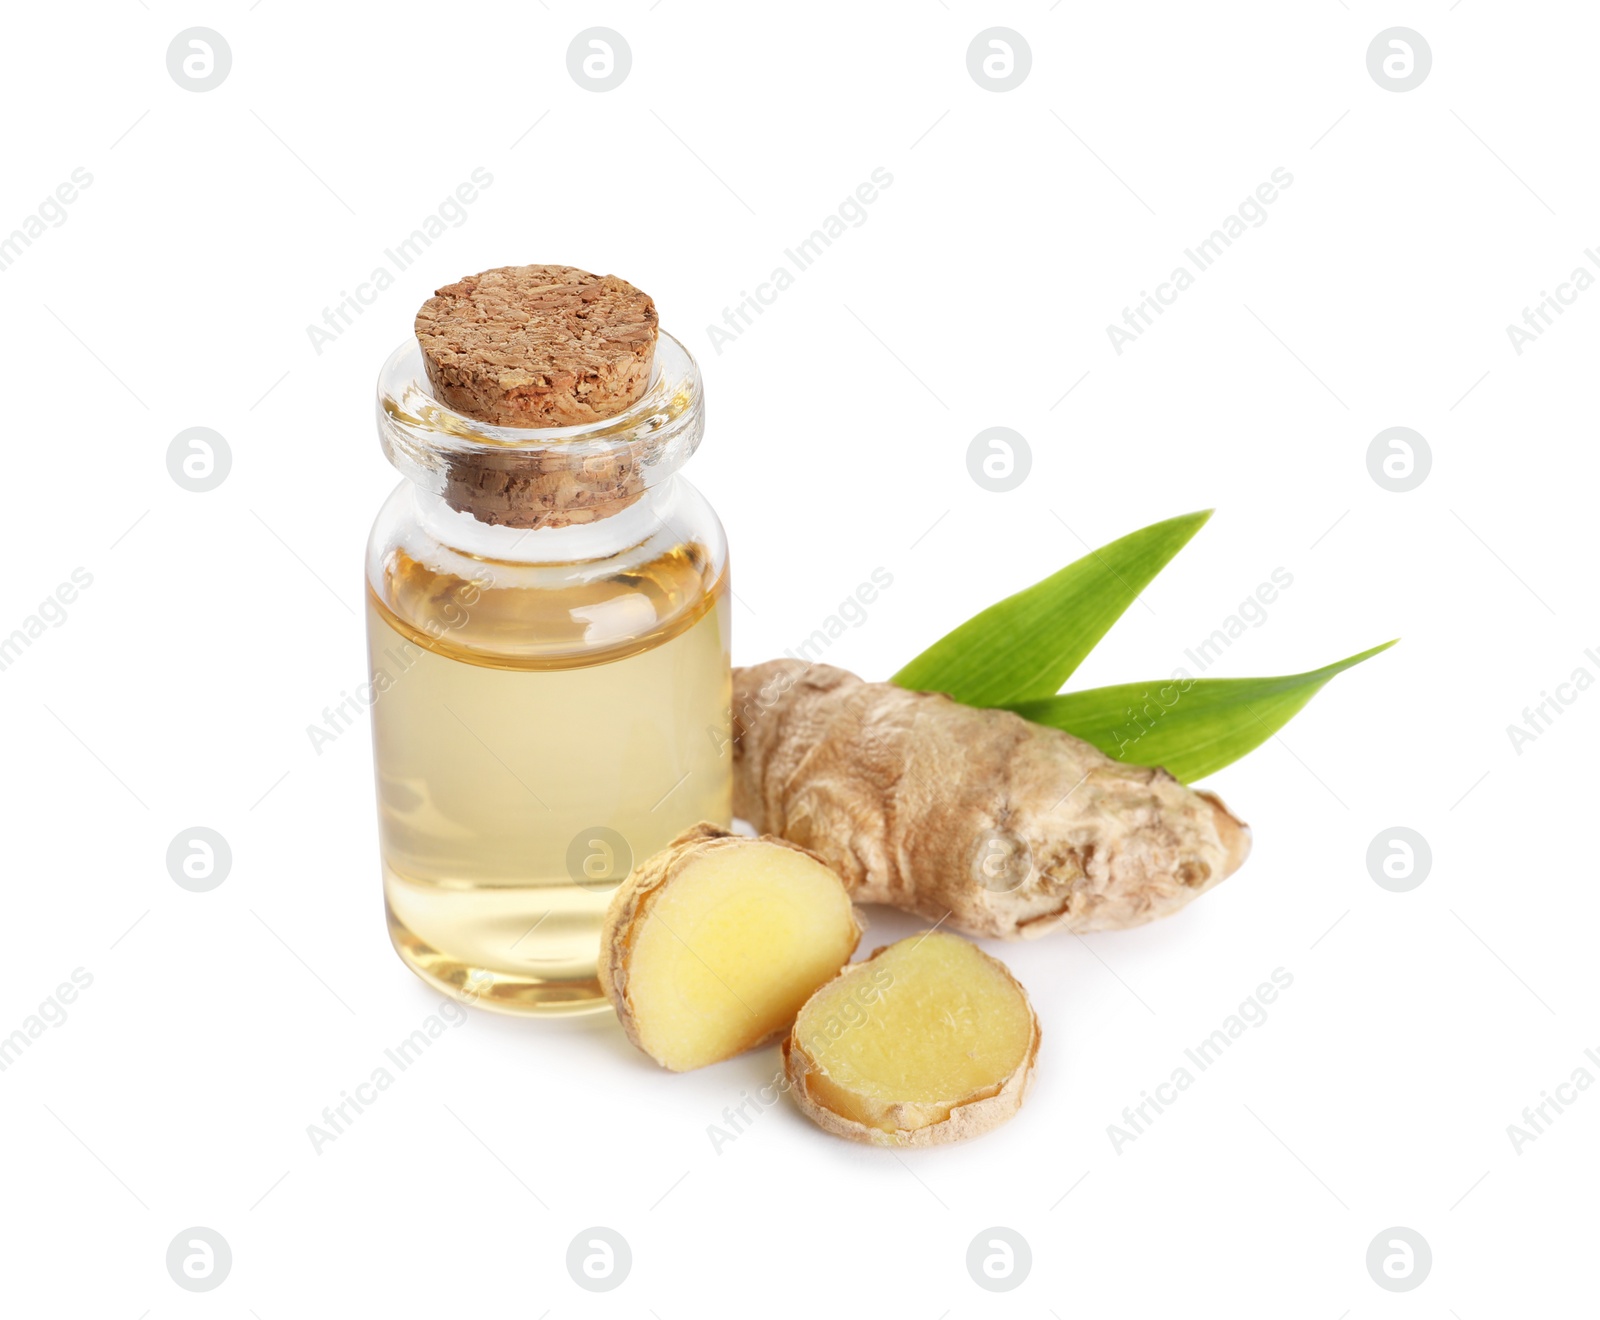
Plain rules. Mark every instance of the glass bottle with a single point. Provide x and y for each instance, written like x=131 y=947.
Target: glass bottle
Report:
x=550 y=702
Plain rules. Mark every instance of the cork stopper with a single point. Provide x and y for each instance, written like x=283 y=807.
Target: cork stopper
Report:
x=539 y=346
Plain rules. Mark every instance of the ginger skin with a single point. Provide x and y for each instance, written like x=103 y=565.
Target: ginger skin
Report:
x=1003 y=827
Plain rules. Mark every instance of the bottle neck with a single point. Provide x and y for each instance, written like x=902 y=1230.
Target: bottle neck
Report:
x=600 y=539
x=542 y=481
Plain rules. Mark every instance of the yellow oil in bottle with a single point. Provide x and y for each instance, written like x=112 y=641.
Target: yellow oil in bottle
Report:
x=534 y=737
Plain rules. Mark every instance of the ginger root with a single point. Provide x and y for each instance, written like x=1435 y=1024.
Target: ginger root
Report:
x=711 y=946
x=928 y=1041
x=1005 y=827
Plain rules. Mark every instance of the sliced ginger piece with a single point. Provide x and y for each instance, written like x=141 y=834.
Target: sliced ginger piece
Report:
x=711 y=946
x=928 y=1041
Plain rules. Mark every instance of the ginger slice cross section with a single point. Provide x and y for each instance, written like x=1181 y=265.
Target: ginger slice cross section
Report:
x=928 y=1041
x=714 y=944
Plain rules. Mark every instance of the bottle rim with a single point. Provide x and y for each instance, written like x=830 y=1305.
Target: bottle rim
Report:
x=651 y=438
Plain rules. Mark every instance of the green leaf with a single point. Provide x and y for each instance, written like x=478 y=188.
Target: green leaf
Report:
x=1028 y=645
x=1191 y=731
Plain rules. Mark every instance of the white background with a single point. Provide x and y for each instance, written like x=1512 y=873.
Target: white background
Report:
x=977 y=293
